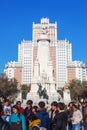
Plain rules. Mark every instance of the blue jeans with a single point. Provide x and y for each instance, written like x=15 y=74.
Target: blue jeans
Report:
x=76 y=126
x=85 y=125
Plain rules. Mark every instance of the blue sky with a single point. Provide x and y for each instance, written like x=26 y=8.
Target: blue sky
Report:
x=17 y=16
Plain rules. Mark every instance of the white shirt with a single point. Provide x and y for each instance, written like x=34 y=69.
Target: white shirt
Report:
x=77 y=117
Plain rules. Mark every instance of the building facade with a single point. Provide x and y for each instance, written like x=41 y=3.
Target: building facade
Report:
x=76 y=70
x=25 y=52
x=46 y=60
x=14 y=70
x=64 y=55
x=49 y=28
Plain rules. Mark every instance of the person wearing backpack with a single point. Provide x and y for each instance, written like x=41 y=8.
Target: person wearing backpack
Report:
x=43 y=116
x=3 y=124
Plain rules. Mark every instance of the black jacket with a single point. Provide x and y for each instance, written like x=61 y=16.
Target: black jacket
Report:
x=27 y=112
x=4 y=125
x=53 y=122
x=61 y=121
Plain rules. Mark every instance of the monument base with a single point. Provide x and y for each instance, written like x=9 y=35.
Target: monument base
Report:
x=51 y=97
x=66 y=94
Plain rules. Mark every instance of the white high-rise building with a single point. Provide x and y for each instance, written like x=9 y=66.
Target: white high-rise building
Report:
x=14 y=70
x=76 y=70
x=25 y=58
x=64 y=55
x=49 y=28
x=45 y=59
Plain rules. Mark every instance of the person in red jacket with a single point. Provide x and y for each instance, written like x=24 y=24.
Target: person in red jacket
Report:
x=18 y=104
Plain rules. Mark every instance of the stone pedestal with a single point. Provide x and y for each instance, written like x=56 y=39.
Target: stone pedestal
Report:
x=50 y=89
x=66 y=95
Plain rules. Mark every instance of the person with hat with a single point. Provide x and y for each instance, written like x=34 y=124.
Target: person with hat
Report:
x=28 y=111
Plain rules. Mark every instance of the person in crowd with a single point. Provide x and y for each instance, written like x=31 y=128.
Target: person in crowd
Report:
x=76 y=118
x=18 y=103
x=60 y=118
x=17 y=120
x=34 y=122
x=28 y=108
x=80 y=107
x=28 y=111
x=85 y=117
x=6 y=110
x=43 y=115
x=70 y=113
x=34 y=109
x=3 y=125
x=52 y=113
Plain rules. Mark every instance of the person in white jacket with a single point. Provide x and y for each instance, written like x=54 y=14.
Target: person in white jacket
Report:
x=76 y=118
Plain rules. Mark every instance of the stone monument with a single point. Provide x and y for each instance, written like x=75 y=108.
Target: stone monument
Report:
x=43 y=70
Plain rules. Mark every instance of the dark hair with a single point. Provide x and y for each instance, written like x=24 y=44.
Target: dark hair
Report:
x=32 y=117
x=16 y=107
x=41 y=104
x=54 y=103
x=70 y=103
x=30 y=102
x=6 y=100
x=74 y=105
x=18 y=102
x=35 y=107
x=61 y=105
x=1 y=109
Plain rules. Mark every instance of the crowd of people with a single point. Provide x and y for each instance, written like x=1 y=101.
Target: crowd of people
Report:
x=57 y=116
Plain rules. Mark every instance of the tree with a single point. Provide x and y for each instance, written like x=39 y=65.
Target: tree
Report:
x=84 y=84
x=8 y=88
x=77 y=89
x=75 y=86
